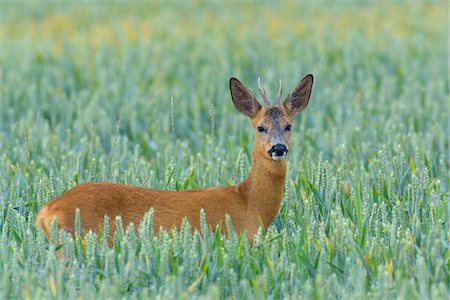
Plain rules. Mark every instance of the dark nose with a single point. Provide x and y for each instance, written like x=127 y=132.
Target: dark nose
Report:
x=278 y=150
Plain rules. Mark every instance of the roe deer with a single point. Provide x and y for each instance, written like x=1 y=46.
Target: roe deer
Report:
x=253 y=202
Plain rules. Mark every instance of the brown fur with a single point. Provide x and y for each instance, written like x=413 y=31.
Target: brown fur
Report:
x=254 y=201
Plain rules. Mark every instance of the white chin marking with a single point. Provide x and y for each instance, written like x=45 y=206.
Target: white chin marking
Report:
x=276 y=157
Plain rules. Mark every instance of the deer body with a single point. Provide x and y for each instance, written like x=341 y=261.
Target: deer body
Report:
x=251 y=203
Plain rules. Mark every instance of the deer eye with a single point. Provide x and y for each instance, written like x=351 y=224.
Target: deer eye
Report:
x=261 y=129
x=288 y=128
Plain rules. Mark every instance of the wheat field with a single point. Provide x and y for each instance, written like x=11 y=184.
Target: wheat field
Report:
x=137 y=93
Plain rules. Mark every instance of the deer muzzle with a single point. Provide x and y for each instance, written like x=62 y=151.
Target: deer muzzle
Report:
x=278 y=152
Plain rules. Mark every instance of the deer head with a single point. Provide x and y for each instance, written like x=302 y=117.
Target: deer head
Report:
x=272 y=123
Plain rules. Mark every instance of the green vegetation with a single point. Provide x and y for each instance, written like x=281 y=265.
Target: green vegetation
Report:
x=138 y=94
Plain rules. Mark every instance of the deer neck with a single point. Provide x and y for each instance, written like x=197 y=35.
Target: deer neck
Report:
x=263 y=188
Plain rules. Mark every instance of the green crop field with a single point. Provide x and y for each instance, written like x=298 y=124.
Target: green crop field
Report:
x=138 y=93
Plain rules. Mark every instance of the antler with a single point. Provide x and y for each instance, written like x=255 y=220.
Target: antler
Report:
x=263 y=92
x=277 y=100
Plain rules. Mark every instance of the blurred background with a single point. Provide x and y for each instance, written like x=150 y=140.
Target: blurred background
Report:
x=380 y=70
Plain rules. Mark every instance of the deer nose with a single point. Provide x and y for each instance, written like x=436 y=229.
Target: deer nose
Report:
x=278 y=150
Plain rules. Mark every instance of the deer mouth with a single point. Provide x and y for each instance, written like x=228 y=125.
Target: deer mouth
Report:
x=279 y=157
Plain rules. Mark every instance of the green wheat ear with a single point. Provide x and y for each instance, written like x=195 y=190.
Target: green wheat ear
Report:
x=54 y=232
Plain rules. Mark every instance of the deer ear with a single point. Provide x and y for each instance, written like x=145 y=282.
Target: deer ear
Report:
x=298 y=98
x=244 y=101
